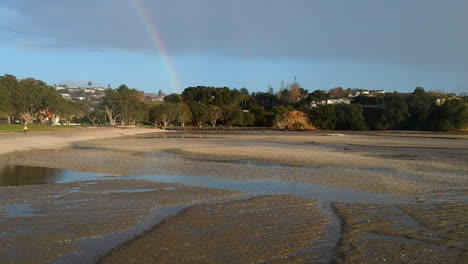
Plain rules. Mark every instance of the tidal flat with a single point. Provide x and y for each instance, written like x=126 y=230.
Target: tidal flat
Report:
x=237 y=197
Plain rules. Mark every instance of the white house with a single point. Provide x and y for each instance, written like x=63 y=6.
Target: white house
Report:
x=339 y=101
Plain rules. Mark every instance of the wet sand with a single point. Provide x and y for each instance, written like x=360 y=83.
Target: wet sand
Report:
x=43 y=223
x=279 y=229
x=427 y=170
x=409 y=233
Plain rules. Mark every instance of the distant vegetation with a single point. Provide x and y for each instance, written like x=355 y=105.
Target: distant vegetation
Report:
x=34 y=101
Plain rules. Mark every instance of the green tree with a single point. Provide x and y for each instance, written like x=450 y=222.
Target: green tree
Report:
x=50 y=101
x=30 y=98
x=395 y=111
x=111 y=104
x=132 y=105
x=7 y=84
x=184 y=115
x=125 y=104
x=324 y=116
x=375 y=118
x=165 y=113
x=199 y=113
x=214 y=114
x=96 y=116
x=173 y=98
x=265 y=100
x=350 y=117
x=199 y=94
x=261 y=116
x=452 y=115
x=318 y=96
x=419 y=105
x=232 y=115
x=248 y=119
x=70 y=110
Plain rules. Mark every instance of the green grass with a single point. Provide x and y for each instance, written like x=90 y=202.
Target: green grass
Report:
x=147 y=126
x=33 y=127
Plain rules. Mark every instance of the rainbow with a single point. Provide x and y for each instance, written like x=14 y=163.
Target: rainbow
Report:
x=158 y=43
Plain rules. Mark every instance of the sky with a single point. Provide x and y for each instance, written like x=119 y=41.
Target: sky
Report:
x=170 y=45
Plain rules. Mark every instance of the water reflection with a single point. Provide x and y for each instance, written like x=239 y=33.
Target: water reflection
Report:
x=28 y=175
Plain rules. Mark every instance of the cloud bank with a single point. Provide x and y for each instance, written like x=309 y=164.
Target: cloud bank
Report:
x=419 y=33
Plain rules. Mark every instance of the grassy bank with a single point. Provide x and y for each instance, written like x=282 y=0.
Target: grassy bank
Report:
x=33 y=127
x=221 y=128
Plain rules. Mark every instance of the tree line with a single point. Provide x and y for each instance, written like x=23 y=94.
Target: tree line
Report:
x=31 y=100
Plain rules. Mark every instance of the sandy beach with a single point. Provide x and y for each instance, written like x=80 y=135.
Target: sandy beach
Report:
x=358 y=197
x=19 y=141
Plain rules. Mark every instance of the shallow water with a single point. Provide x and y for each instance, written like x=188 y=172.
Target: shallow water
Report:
x=28 y=175
x=19 y=210
x=39 y=175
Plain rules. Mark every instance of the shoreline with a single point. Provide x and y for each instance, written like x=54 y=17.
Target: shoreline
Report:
x=19 y=141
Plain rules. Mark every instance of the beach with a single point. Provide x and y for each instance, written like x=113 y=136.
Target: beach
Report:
x=267 y=196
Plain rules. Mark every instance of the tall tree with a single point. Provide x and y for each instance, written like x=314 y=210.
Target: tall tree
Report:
x=165 y=112
x=111 y=104
x=7 y=84
x=184 y=115
x=452 y=115
x=199 y=113
x=232 y=115
x=350 y=117
x=419 y=105
x=324 y=116
x=395 y=111
x=70 y=110
x=31 y=98
x=95 y=116
x=214 y=114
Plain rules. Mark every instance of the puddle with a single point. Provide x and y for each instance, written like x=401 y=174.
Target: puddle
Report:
x=19 y=210
x=29 y=175
x=133 y=191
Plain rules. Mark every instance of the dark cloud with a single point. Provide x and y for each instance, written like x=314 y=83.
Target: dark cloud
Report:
x=423 y=33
